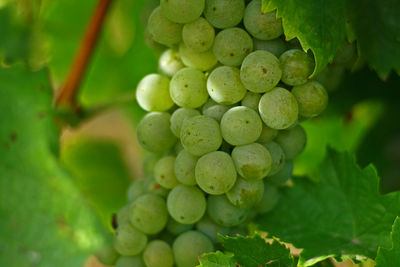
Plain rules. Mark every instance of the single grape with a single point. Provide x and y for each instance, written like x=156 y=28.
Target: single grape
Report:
x=224 y=85
x=241 y=125
x=245 y=194
x=267 y=134
x=149 y=214
x=214 y=110
x=128 y=241
x=269 y=200
x=274 y=46
x=186 y=204
x=215 y=173
x=136 y=189
x=278 y=109
x=297 y=66
x=311 y=97
x=198 y=35
x=182 y=11
x=153 y=187
x=164 y=30
x=164 y=172
x=260 y=71
x=283 y=175
x=211 y=229
x=158 y=254
x=200 y=135
x=224 y=213
x=188 y=88
x=277 y=156
x=152 y=93
x=169 y=62
x=224 y=13
x=293 y=141
x=153 y=132
x=176 y=228
x=263 y=26
x=252 y=161
x=232 y=45
x=199 y=60
x=251 y=100
x=107 y=255
x=179 y=116
x=134 y=261
x=149 y=162
x=184 y=167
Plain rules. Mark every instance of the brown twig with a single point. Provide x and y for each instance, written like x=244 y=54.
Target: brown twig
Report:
x=66 y=95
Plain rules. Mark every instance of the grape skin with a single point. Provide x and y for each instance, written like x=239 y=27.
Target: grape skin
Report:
x=311 y=97
x=170 y=63
x=224 y=14
x=245 y=194
x=198 y=35
x=158 y=254
x=163 y=30
x=199 y=60
x=179 y=116
x=224 y=213
x=182 y=11
x=152 y=93
x=297 y=66
x=164 y=172
x=292 y=141
x=128 y=241
x=184 y=167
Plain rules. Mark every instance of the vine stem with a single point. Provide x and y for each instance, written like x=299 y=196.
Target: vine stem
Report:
x=66 y=95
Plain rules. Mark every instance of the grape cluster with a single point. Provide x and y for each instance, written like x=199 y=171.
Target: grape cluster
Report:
x=222 y=129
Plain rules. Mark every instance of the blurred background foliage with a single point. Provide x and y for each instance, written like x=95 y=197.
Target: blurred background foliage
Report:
x=102 y=153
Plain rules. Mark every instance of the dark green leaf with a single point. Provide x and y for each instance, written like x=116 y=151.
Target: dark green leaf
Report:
x=390 y=257
x=342 y=216
x=217 y=259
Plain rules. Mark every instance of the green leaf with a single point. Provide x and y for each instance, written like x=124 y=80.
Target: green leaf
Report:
x=44 y=219
x=377 y=28
x=255 y=251
x=319 y=25
x=217 y=259
x=100 y=172
x=342 y=216
x=390 y=257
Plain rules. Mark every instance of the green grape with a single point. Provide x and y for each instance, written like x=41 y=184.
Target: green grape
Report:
x=135 y=261
x=158 y=254
x=211 y=229
x=283 y=175
x=198 y=35
x=277 y=156
x=215 y=173
x=152 y=93
x=241 y=125
x=274 y=46
x=252 y=161
x=169 y=62
x=297 y=66
x=214 y=110
x=149 y=214
x=278 y=109
x=331 y=77
x=128 y=241
x=293 y=141
x=267 y=134
x=251 y=100
x=176 y=228
x=153 y=132
x=124 y=214
x=199 y=60
x=153 y=187
x=164 y=172
x=200 y=135
x=151 y=43
x=224 y=13
x=232 y=45
x=189 y=246
x=107 y=255
x=188 y=88
x=149 y=162
x=182 y=11
x=185 y=164
x=163 y=30
x=269 y=200
x=223 y=212
x=224 y=85
x=245 y=194
x=263 y=26
x=179 y=116
x=260 y=71
x=186 y=204
x=136 y=189
x=311 y=97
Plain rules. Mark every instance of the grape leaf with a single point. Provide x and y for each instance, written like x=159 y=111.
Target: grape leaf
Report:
x=390 y=257
x=342 y=216
x=217 y=259
x=254 y=251
x=44 y=219
x=319 y=25
x=377 y=28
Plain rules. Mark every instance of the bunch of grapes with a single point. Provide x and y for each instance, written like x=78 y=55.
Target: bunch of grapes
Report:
x=222 y=129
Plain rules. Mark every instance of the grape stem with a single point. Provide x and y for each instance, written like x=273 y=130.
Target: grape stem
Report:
x=66 y=95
